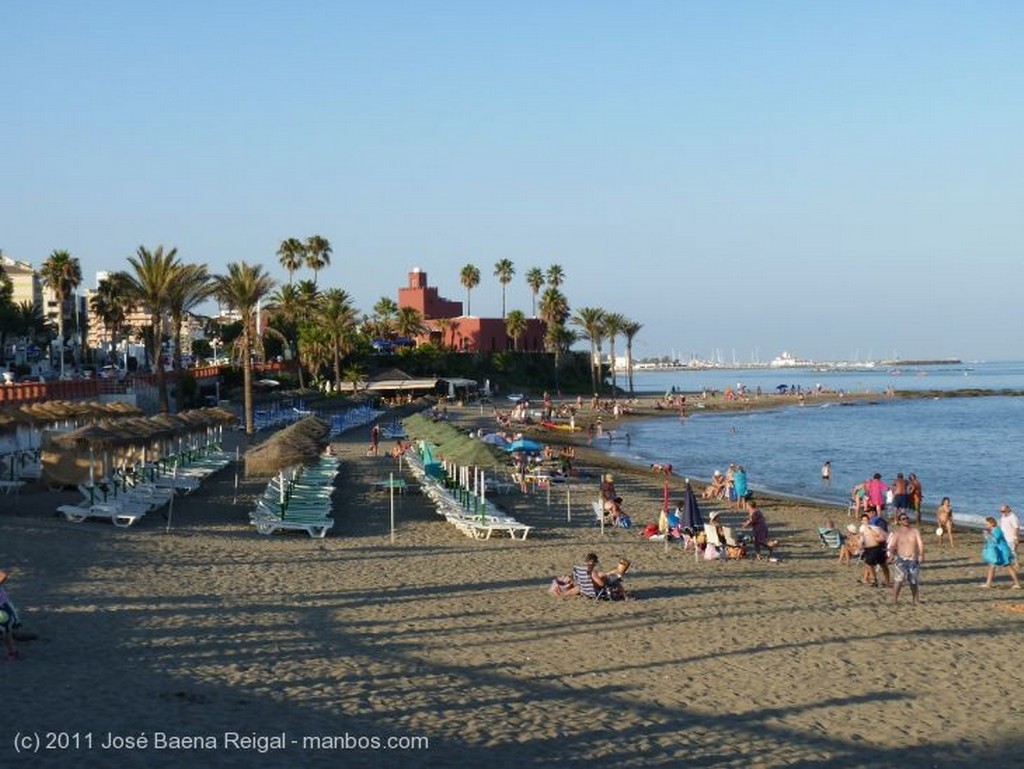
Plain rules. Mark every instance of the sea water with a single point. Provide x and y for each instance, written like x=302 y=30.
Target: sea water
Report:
x=966 y=448
x=1002 y=375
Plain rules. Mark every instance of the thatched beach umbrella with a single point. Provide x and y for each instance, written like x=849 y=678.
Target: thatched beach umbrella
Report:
x=93 y=437
x=476 y=453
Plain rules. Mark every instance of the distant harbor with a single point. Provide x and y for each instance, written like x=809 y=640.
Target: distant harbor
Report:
x=785 y=360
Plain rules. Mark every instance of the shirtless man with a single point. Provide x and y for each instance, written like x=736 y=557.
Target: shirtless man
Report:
x=906 y=551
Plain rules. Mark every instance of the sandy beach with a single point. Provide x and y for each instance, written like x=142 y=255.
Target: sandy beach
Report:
x=213 y=645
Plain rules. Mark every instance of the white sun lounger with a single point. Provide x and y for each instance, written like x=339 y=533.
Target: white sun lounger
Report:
x=118 y=515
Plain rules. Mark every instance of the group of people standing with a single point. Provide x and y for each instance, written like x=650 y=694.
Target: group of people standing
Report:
x=874 y=495
x=903 y=547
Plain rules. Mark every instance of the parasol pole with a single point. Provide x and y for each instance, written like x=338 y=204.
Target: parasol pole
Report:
x=568 y=503
x=92 y=477
x=170 y=503
x=234 y=500
x=391 y=490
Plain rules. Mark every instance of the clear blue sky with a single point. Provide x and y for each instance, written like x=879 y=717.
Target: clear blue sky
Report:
x=826 y=177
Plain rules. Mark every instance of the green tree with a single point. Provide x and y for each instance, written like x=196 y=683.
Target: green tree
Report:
x=318 y=254
x=555 y=276
x=385 y=312
x=242 y=289
x=535 y=280
x=292 y=255
x=293 y=306
x=630 y=329
x=150 y=288
x=554 y=311
x=354 y=374
x=591 y=321
x=410 y=322
x=190 y=286
x=339 y=318
x=613 y=323
x=62 y=273
x=504 y=271
x=469 y=276
x=110 y=305
x=515 y=326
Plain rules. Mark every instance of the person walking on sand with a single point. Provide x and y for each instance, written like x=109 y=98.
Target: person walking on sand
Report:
x=905 y=552
x=997 y=553
x=872 y=551
x=374 y=439
x=1010 y=527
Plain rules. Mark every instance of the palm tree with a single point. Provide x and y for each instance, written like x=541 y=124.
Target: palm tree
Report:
x=613 y=323
x=515 y=326
x=354 y=374
x=409 y=322
x=535 y=280
x=190 y=286
x=554 y=311
x=384 y=314
x=339 y=318
x=591 y=320
x=62 y=273
x=630 y=329
x=555 y=276
x=469 y=276
x=292 y=255
x=315 y=348
x=503 y=271
x=293 y=304
x=318 y=254
x=111 y=304
x=242 y=289
x=150 y=287
x=443 y=324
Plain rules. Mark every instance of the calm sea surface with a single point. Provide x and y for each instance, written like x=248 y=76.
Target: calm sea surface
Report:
x=968 y=449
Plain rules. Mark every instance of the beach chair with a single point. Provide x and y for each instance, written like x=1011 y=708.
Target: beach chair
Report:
x=831 y=538
x=581 y=578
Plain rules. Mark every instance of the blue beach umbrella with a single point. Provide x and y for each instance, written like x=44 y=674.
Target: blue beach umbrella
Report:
x=691 y=519
x=524 y=444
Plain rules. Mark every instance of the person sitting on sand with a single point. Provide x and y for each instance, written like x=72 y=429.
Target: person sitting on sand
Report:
x=598 y=578
x=607 y=490
x=944 y=521
x=8 y=619
x=614 y=580
x=851 y=547
x=716 y=489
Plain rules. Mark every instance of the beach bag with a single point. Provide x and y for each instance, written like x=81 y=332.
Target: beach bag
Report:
x=735 y=552
x=650 y=530
x=625 y=523
x=711 y=553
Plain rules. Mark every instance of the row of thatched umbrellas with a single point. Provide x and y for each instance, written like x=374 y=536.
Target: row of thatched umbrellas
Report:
x=453 y=444
x=301 y=443
x=108 y=434
x=53 y=412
